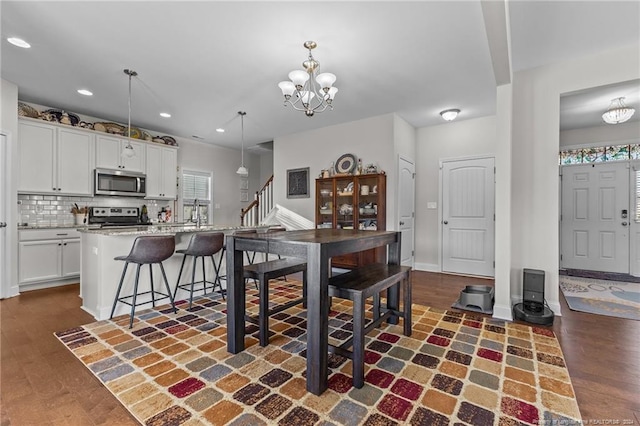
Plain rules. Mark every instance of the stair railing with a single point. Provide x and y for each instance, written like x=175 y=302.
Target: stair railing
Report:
x=255 y=212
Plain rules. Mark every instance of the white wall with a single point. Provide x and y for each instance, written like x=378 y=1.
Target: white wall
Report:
x=222 y=163
x=370 y=139
x=9 y=126
x=628 y=132
x=436 y=143
x=535 y=144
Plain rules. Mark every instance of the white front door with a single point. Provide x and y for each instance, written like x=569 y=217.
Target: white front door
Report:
x=595 y=217
x=406 y=209
x=468 y=192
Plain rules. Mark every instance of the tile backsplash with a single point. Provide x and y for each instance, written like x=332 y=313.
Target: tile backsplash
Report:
x=55 y=210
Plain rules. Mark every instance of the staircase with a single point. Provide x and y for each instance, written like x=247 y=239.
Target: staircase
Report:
x=259 y=208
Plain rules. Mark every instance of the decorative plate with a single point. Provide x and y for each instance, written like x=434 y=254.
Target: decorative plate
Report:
x=60 y=116
x=135 y=133
x=107 y=127
x=346 y=163
x=25 y=110
x=169 y=140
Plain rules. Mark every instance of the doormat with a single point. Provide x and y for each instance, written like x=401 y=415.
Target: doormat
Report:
x=602 y=297
x=456 y=368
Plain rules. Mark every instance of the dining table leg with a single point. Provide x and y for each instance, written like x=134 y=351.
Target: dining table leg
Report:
x=235 y=298
x=317 y=319
x=393 y=292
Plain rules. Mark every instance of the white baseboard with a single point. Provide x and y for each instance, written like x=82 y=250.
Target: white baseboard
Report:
x=502 y=312
x=48 y=284
x=427 y=267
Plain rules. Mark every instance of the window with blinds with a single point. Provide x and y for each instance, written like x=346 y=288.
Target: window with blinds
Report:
x=196 y=186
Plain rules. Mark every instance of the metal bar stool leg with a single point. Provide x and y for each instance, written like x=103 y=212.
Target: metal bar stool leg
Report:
x=135 y=294
x=166 y=284
x=193 y=279
x=204 y=277
x=216 y=281
x=179 y=275
x=153 y=293
x=115 y=302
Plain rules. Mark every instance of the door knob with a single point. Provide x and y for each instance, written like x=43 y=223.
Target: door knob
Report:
x=3 y=224
x=401 y=223
x=445 y=222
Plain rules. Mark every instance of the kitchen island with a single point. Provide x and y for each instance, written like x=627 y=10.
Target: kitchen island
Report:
x=100 y=273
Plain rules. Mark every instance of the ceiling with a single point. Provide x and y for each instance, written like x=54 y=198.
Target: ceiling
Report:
x=204 y=61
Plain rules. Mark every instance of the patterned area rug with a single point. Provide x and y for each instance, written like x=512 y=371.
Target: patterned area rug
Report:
x=602 y=297
x=456 y=368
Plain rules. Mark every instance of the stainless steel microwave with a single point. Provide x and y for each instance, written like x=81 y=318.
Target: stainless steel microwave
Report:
x=120 y=183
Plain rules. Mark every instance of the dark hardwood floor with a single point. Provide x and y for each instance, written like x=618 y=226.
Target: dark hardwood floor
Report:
x=42 y=383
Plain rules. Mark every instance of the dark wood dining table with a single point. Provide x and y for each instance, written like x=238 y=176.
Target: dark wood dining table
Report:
x=317 y=246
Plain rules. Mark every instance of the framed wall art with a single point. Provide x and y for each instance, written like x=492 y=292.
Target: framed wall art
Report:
x=298 y=183
x=244 y=196
x=244 y=183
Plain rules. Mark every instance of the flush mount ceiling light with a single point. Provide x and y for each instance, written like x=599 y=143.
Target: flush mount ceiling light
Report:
x=85 y=92
x=128 y=150
x=165 y=115
x=242 y=170
x=220 y=130
x=450 y=114
x=618 y=112
x=18 y=42
x=307 y=91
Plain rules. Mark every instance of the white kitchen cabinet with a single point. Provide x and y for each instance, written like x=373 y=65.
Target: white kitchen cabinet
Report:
x=162 y=163
x=109 y=154
x=55 y=159
x=48 y=255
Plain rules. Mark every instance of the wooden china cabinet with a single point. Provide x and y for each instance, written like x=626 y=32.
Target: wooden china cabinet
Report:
x=353 y=202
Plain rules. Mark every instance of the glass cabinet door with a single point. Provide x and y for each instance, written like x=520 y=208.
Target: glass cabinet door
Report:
x=324 y=203
x=367 y=200
x=344 y=208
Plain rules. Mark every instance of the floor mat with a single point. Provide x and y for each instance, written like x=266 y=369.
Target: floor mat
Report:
x=602 y=297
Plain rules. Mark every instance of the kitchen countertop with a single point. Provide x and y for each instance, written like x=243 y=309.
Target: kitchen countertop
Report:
x=27 y=226
x=162 y=229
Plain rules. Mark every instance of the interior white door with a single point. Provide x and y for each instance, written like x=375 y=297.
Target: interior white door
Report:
x=406 y=207
x=595 y=217
x=4 y=170
x=468 y=192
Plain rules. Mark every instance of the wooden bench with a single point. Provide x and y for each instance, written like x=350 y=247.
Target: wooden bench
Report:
x=359 y=285
x=262 y=273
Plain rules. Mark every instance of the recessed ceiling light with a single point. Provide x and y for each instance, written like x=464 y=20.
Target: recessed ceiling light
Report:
x=220 y=130
x=18 y=42
x=85 y=92
x=165 y=114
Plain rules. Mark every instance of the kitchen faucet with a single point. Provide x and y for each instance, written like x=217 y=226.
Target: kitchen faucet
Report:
x=195 y=214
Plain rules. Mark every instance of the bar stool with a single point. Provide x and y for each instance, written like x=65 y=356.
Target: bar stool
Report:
x=146 y=250
x=201 y=244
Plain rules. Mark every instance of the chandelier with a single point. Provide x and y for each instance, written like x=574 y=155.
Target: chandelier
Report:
x=128 y=150
x=308 y=91
x=618 y=112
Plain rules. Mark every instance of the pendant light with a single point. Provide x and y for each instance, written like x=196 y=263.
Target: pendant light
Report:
x=242 y=170
x=128 y=150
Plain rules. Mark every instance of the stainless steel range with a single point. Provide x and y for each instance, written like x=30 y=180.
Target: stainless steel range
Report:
x=115 y=216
